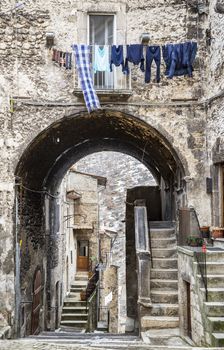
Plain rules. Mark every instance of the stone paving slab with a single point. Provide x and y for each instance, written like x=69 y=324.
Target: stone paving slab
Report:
x=32 y=344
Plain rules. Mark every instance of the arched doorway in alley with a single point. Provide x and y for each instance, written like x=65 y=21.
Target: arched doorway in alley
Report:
x=57 y=148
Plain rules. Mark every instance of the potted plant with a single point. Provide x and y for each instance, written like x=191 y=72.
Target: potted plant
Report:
x=83 y=295
x=194 y=241
x=205 y=232
x=217 y=232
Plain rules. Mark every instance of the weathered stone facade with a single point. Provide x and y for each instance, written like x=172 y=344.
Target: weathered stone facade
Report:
x=174 y=127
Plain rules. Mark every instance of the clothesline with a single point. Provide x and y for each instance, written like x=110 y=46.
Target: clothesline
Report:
x=144 y=45
x=178 y=58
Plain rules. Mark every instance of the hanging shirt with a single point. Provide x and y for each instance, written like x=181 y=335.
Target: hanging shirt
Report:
x=117 y=56
x=179 y=58
x=135 y=56
x=101 y=59
x=152 y=53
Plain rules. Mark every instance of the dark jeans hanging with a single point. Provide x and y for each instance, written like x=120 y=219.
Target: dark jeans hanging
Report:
x=179 y=58
x=152 y=53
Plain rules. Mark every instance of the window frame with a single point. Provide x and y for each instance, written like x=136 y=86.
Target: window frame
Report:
x=102 y=14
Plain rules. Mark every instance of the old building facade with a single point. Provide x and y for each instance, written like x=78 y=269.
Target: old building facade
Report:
x=174 y=127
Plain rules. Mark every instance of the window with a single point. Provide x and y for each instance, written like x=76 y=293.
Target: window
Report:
x=102 y=31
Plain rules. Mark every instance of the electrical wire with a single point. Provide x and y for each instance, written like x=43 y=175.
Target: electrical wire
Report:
x=37 y=191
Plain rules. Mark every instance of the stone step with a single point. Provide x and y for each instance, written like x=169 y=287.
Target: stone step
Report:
x=215 y=256
x=164 y=273
x=165 y=263
x=164 y=310
x=214 y=280
x=162 y=233
x=71 y=323
x=214 y=308
x=149 y=322
x=77 y=289
x=81 y=277
x=216 y=324
x=215 y=268
x=164 y=284
x=214 y=294
x=161 y=224
x=78 y=309
x=164 y=296
x=79 y=285
x=218 y=339
x=164 y=252
x=74 y=302
x=164 y=242
x=75 y=295
x=74 y=317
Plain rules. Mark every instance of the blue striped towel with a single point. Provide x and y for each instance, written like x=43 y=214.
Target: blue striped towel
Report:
x=82 y=56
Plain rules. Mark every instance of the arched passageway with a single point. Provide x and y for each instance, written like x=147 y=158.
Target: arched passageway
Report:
x=45 y=162
x=53 y=151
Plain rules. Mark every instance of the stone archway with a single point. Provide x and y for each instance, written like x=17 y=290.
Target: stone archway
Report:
x=48 y=157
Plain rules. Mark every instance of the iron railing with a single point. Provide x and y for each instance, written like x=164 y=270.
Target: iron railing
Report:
x=91 y=305
x=106 y=81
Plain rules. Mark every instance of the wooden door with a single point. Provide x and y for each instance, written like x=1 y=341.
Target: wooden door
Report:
x=222 y=196
x=36 y=305
x=57 y=298
x=189 y=329
x=83 y=256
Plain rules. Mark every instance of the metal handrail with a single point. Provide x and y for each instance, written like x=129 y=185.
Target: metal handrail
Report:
x=93 y=280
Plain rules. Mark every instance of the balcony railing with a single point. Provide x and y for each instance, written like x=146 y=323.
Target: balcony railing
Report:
x=107 y=81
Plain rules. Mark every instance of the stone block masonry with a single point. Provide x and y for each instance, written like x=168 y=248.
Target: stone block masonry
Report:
x=35 y=93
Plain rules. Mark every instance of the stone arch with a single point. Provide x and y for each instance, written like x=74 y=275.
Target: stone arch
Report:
x=73 y=137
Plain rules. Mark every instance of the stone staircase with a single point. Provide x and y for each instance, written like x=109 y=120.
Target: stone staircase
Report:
x=164 y=278
x=75 y=312
x=214 y=307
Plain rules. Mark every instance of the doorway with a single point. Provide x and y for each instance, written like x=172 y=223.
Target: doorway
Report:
x=36 y=304
x=83 y=256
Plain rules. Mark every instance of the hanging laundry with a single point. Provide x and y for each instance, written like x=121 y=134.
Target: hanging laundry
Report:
x=61 y=60
x=82 y=56
x=152 y=53
x=68 y=60
x=54 y=54
x=101 y=59
x=179 y=58
x=57 y=57
x=117 y=56
x=135 y=56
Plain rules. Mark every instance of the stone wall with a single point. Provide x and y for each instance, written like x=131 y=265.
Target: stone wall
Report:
x=42 y=93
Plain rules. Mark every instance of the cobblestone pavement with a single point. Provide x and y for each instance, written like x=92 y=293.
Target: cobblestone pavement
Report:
x=97 y=344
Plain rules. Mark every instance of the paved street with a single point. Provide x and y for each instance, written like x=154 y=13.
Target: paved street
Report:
x=96 y=343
